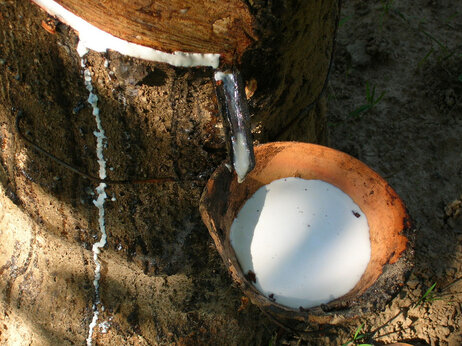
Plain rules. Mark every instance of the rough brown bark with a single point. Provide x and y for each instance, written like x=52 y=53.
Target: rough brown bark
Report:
x=162 y=280
x=290 y=64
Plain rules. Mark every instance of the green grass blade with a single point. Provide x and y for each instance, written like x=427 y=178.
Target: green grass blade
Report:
x=372 y=96
x=379 y=98
x=368 y=92
x=422 y=61
x=360 y=336
x=425 y=297
x=359 y=110
x=358 y=330
x=434 y=39
x=401 y=15
x=342 y=21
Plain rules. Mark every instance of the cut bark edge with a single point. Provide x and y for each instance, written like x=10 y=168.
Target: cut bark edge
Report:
x=180 y=33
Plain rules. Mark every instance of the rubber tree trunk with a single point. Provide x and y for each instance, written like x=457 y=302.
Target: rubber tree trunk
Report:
x=161 y=279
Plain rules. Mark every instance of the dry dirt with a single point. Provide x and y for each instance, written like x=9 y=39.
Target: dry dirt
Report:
x=173 y=289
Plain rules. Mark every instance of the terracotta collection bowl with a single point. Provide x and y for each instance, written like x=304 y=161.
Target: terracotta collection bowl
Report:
x=389 y=224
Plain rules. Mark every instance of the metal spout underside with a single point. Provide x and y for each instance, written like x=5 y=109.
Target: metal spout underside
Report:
x=233 y=106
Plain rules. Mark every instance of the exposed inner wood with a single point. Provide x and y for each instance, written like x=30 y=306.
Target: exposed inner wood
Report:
x=199 y=26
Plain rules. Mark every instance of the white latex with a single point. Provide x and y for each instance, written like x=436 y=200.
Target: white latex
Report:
x=98 y=40
x=241 y=157
x=101 y=197
x=304 y=241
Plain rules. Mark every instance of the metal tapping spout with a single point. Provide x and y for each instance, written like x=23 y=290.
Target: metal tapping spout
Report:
x=233 y=107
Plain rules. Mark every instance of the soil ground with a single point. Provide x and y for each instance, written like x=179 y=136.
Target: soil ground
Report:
x=408 y=51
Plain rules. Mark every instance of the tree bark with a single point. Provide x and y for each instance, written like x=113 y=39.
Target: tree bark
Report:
x=162 y=280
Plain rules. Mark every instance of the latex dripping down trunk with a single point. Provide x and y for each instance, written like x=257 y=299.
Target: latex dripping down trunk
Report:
x=234 y=110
